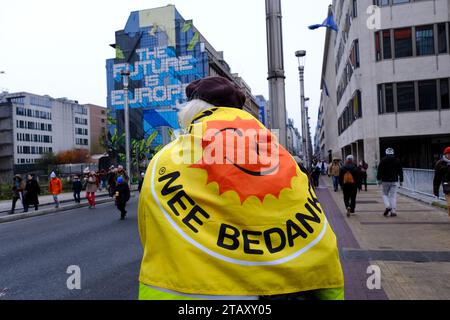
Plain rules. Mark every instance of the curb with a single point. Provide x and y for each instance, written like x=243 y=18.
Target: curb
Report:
x=436 y=204
x=47 y=204
x=21 y=216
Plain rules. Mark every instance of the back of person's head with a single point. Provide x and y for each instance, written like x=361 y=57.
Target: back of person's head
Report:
x=53 y=175
x=390 y=152
x=447 y=152
x=350 y=158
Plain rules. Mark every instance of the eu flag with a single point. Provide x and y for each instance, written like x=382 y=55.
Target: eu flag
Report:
x=328 y=23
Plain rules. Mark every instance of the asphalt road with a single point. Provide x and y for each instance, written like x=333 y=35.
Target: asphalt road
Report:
x=35 y=254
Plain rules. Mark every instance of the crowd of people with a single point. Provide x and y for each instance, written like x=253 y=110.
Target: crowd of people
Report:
x=352 y=177
x=115 y=180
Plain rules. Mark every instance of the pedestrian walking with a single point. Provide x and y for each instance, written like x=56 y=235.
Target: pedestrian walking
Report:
x=121 y=172
x=77 y=187
x=362 y=168
x=31 y=194
x=17 y=192
x=333 y=172
x=55 y=188
x=141 y=181
x=316 y=175
x=103 y=176
x=349 y=180
x=91 y=189
x=223 y=262
x=122 y=195
x=390 y=172
x=442 y=177
x=112 y=180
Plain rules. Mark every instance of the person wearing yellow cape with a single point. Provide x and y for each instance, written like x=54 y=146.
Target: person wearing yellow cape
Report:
x=226 y=213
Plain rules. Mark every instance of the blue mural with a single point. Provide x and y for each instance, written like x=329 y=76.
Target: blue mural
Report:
x=162 y=58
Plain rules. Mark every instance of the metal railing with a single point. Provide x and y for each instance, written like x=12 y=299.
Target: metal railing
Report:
x=420 y=181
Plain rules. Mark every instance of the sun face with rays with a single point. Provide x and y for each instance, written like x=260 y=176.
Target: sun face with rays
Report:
x=244 y=157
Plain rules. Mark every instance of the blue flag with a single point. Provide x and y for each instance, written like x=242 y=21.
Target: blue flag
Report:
x=328 y=23
x=325 y=88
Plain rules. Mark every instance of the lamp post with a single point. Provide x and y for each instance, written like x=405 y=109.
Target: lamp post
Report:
x=276 y=75
x=301 y=56
x=126 y=80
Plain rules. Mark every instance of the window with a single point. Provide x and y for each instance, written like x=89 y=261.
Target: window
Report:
x=444 y=94
x=403 y=43
x=381 y=3
x=389 y=93
x=424 y=40
x=427 y=95
x=377 y=46
x=387 y=48
x=442 y=38
x=406 y=100
x=394 y=2
x=354 y=8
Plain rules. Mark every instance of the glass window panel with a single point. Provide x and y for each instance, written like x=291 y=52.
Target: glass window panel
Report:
x=442 y=38
x=444 y=94
x=427 y=95
x=403 y=43
x=387 y=49
x=405 y=97
x=425 y=40
x=389 y=91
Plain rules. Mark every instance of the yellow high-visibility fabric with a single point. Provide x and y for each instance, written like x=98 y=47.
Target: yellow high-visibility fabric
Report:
x=233 y=228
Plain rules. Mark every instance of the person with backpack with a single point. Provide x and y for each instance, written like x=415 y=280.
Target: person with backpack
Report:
x=122 y=195
x=442 y=177
x=349 y=180
x=390 y=171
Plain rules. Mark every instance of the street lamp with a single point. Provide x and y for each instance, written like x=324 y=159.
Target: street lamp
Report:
x=301 y=56
x=126 y=80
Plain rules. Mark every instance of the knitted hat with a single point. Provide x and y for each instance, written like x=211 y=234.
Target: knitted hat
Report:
x=447 y=150
x=53 y=175
x=217 y=91
x=390 y=152
x=120 y=179
x=350 y=158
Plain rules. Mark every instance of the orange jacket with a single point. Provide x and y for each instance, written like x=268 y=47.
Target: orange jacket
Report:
x=55 y=186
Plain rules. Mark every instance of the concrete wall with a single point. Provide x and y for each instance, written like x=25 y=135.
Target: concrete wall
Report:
x=373 y=126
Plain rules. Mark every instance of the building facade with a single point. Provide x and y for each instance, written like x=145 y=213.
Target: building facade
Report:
x=98 y=127
x=164 y=53
x=32 y=125
x=264 y=111
x=294 y=139
x=386 y=84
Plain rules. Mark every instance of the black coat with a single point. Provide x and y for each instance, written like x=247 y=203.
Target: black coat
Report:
x=390 y=170
x=77 y=186
x=441 y=175
x=124 y=193
x=32 y=192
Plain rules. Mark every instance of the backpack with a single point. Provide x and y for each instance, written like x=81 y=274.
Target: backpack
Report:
x=348 y=178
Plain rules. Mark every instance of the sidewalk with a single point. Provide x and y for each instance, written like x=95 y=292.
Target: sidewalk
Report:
x=46 y=202
x=412 y=250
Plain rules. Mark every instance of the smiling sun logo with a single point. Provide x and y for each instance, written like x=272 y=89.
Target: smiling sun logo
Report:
x=244 y=157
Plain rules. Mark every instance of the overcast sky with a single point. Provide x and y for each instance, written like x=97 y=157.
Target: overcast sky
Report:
x=59 y=47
